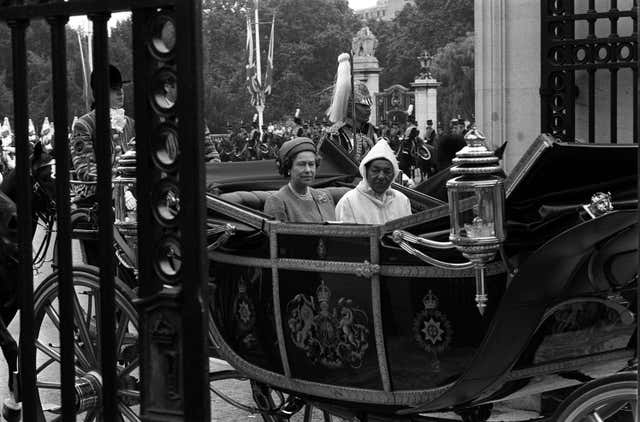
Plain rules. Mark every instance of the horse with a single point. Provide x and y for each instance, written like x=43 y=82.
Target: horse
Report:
x=43 y=206
x=423 y=157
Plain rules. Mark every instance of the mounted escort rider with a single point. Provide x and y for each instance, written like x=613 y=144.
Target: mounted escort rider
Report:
x=350 y=122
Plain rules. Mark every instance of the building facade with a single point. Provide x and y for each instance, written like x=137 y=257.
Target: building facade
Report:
x=564 y=68
x=385 y=10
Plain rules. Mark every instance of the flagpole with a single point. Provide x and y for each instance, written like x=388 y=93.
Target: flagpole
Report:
x=260 y=102
x=90 y=44
x=85 y=77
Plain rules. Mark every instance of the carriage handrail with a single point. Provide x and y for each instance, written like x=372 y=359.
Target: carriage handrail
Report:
x=402 y=235
x=403 y=238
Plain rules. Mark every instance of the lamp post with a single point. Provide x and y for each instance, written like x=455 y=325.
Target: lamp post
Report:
x=476 y=207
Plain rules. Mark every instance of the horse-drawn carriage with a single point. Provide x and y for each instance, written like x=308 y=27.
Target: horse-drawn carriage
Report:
x=382 y=322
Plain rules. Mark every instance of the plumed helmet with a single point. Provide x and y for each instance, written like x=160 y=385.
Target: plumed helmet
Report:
x=341 y=98
x=361 y=94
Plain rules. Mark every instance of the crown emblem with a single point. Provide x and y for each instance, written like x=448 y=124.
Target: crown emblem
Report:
x=242 y=287
x=430 y=301
x=323 y=293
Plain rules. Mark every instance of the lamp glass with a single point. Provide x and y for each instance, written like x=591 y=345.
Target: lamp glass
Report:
x=476 y=210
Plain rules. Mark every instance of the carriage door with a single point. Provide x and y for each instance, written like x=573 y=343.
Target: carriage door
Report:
x=590 y=70
x=163 y=374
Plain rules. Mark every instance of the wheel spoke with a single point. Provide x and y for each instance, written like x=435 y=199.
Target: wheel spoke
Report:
x=49 y=385
x=81 y=356
x=53 y=316
x=121 y=330
x=594 y=417
x=54 y=355
x=48 y=351
x=134 y=394
x=89 y=308
x=91 y=415
x=82 y=328
x=44 y=365
x=128 y=413
x=130 y=367
x=634 y=410
x=308 y=413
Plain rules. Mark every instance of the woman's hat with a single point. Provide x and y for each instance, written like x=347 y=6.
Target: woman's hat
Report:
x=290 y=148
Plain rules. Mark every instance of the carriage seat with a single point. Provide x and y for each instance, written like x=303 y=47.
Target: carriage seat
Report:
x=256 y=198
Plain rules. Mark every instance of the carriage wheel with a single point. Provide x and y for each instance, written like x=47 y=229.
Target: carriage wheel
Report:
x=610 y=399
x=87 y=345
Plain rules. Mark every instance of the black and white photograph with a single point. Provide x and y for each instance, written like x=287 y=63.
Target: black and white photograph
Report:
x=319 y=210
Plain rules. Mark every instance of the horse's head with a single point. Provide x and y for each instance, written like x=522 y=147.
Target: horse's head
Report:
x=42 y=173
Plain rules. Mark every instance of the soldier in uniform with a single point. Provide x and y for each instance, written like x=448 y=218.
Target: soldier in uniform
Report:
x=353 y=132
x=84 y=131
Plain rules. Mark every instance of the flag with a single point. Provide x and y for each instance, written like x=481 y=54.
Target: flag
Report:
x=252 y=76
x=268 y=75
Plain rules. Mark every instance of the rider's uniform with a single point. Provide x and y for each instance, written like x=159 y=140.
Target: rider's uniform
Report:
x=357 y=146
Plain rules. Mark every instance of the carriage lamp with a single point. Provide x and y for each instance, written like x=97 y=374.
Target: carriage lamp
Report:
x=476 y=207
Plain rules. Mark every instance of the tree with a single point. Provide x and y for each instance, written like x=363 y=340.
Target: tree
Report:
x=121 y=56
x=441 y=27
x=453 y=66
x=429 y=25
x=310 y=34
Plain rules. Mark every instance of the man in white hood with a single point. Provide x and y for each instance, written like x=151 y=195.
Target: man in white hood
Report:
x=373 y=201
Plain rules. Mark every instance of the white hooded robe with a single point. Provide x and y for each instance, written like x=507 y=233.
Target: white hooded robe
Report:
x=362 y=205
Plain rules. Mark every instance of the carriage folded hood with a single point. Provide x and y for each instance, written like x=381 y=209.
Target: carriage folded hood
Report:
x=553 y=177
x=263 y=174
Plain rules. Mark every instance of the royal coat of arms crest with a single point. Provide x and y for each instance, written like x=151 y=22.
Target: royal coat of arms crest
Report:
x=335 y=337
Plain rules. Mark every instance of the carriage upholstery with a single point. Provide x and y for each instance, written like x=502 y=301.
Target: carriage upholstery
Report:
x=255 y=199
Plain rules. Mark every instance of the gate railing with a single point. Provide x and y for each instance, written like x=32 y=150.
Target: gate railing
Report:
x=174 y=376
x=575 y=43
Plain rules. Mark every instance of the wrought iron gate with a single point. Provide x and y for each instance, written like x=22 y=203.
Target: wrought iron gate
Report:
x=393 y=103
x=584 y=43
x=172 y=302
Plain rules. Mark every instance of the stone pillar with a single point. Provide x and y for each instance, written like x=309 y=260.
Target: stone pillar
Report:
x=507 y=74
x=426 y=102
x=367 y=70
x=365 y=66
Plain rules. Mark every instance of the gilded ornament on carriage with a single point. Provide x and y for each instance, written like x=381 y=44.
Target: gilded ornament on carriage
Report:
x=322 y=249
x=367 y=270
x=431 y=328
x=333 y=337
